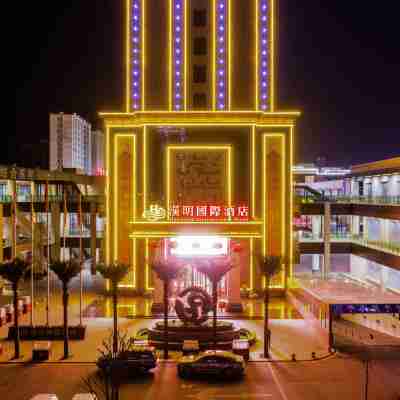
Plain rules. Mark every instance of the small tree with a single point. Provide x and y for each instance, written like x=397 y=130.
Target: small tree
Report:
x=65 y=271
x=166 y=271
x=215 y=270
x=115 y=273
x=14 y=271
x=269 y=266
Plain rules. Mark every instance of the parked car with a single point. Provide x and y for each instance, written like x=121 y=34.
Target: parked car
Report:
x=212 y=363
x=84 y=396
x=44 y=397
x=130 y=362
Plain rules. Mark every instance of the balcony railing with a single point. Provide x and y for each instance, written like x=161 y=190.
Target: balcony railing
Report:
x=374 y=200
x=387 y=246
x=51 y=198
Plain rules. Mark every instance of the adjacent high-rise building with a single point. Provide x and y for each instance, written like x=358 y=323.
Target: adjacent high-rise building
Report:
x=97 y=152
x=73 y=144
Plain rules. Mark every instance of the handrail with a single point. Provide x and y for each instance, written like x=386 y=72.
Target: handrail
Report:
x=378 y=200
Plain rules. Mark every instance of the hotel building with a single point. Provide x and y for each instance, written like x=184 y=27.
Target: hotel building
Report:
x=200 y=157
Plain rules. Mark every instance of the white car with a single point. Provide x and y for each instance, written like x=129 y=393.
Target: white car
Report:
x=45 y=397
x=84 y=396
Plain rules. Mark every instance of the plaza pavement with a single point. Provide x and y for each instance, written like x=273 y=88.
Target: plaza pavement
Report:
x=336 y=377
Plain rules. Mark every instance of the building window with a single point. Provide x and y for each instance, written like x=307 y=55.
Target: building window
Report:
x=199 y=100
x=200 y=18
x=199 y=73
x=200 y=46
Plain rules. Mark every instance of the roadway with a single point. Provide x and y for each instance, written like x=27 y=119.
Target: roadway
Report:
x=331 y=379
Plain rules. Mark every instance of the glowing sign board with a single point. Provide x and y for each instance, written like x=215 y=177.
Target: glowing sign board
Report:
x=190 y=246
x=198 y=212
x=209 y=212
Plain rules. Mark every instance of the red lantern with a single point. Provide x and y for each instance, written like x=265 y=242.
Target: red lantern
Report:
x=237 y=248
x=154 y=245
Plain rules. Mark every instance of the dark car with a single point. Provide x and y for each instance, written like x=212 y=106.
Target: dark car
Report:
x=212 y=363
x=130 y=362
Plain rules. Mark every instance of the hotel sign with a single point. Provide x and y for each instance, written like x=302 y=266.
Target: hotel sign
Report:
x=198 y=212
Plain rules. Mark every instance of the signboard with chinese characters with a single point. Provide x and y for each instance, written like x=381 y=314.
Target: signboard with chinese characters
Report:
x=199 y=175
x=198 y=212
x=209 y=212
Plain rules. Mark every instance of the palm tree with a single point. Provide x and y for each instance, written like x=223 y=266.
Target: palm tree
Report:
x=215 y=270
x=13 y=271
x=269 y=267
x=115 y=273
x=166 y=271
x=65 y=271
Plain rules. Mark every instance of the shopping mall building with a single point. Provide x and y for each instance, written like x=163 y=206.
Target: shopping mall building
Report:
x=199 y=161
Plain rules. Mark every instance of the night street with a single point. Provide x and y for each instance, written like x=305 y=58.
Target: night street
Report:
x=328 y=380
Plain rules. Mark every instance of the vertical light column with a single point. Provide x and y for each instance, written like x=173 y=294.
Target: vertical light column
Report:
x=136 y=53
x=178 y=56
x=221 y=57
x=264 y=45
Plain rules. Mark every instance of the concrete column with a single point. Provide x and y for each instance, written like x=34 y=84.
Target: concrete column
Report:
x=327 y=239
x=316 y=226
x=365 y=225
x=55 y=227
x=93 y=237
x=355 y=225
x=384 y=230
x=384 y=277
x=14 y=221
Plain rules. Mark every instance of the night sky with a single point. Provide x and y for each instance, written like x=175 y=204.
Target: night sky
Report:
x=339 y=62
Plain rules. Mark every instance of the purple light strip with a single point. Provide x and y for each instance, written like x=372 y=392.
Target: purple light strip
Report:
x=178 y=56
x=221 y=54
x=264 y=55
x=136 y=50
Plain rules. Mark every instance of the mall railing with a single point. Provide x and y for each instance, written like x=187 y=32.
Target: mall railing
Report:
x=390 y=246
x=380 y=200
x=52 y=198
x=85 y=233
x=375 y=200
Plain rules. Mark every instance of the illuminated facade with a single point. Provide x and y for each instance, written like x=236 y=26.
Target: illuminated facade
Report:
x=200 y=129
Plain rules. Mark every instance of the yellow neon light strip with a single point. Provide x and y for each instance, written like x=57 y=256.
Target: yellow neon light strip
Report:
x=214 y=57
x=226 y=148
x=108 y=194
x=230 y=177
x=294 y=113
x=251 y=264
x=291 y=200
x=253 y=171
x=186 y=61
x=170 y=58
x=144 y=168
x=272 y=56
x=134 y=261
x=229 y=54
x=147 y=266
x=155 y=235
x=257 y=28
x=128 y=52
x=227 y=223
x=143 y=53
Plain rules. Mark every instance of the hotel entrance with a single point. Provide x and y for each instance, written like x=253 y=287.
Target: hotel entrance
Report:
x=192 y=250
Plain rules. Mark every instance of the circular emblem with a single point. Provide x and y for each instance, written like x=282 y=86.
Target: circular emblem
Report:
x=193 y=305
